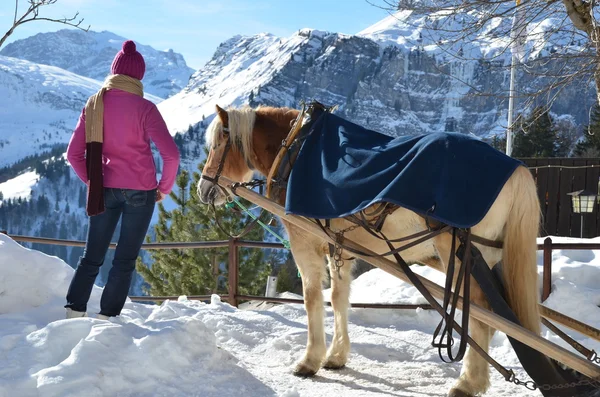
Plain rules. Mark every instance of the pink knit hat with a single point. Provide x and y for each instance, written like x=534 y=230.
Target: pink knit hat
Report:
x=129 y=62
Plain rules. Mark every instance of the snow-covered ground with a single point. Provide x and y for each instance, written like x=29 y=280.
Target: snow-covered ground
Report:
x=189 y=348
x=19 y=186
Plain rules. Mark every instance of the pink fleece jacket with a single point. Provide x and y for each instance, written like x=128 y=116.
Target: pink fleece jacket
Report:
x=130 y=123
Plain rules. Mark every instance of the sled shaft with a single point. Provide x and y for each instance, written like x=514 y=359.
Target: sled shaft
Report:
x=570 y=322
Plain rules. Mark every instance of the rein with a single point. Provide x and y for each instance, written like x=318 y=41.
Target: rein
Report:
x=233 y=201
x=283 y=241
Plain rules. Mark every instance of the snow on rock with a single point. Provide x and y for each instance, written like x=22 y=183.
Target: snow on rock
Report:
x=39 y=107
x=443 y=33
x=239 y=67
x=91 y=53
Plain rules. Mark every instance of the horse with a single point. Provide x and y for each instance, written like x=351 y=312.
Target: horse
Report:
x=246 y=140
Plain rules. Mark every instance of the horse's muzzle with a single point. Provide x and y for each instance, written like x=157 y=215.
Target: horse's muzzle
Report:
x=210 y=193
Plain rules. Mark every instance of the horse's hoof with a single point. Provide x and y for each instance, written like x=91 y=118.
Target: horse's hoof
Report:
x=331 y=365
x=334 y=362
x=304 y=371
x=459 y=393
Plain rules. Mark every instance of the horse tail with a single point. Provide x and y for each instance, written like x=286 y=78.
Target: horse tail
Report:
x=519 y=258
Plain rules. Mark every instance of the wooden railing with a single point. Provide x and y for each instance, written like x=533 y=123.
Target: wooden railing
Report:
x=233 y=296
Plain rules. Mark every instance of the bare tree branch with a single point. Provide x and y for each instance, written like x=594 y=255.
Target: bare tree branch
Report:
x=16 y=11
x=33 y=14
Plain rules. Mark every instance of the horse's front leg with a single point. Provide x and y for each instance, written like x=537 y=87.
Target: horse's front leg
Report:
x=341 y=274
x=308 y=254
x=475 y=377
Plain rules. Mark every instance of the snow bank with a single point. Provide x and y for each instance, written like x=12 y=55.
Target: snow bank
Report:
x=30 y=279
x=150 y=350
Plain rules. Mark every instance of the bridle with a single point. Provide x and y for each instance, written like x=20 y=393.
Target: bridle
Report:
x=215 y=179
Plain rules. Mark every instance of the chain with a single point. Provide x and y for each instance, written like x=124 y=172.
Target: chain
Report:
x=338 y=260
x=531 y=385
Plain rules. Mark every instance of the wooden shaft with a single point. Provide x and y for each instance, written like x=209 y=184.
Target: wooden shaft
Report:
x=570 y=322
x=521 y=334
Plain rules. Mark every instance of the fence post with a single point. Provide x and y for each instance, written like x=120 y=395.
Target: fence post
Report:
x=547 y=274
x=233 y=272
x=271 y=289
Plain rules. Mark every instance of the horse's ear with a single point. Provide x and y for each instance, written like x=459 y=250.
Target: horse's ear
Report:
x=222 y=113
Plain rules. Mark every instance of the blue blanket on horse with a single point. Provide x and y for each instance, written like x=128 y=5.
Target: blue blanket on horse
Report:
x=343 y=168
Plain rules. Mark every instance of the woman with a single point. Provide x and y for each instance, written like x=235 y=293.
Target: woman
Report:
x=110 y=152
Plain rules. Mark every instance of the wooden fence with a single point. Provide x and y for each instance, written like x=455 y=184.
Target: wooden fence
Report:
x=233 y=296
x=555 y=178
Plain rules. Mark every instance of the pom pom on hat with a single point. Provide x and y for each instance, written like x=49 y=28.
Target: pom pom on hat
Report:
x=129 y=62
x=129 y=47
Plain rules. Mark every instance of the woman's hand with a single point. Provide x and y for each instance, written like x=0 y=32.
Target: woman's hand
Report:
x=160 y=196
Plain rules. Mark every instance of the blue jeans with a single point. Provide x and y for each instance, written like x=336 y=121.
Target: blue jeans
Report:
x=136 y=208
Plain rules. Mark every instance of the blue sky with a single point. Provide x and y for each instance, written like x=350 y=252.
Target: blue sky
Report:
x=195 y=28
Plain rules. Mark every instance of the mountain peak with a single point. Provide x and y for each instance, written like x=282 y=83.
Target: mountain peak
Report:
x=90 y=54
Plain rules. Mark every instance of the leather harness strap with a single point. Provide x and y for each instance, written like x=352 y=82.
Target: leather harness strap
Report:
x=215 y=179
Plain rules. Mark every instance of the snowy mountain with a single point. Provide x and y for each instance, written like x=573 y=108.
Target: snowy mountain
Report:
x=392 y=77
x=39 y=107
x=91 y=53
x=438 y=33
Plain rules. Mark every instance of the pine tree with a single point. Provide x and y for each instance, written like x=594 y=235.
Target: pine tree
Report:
x=536 y=136
x=43 y=205
x=590 y=145
x=199 y=271
x=63 y=232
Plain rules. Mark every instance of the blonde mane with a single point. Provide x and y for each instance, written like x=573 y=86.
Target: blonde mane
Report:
x=241 y=123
